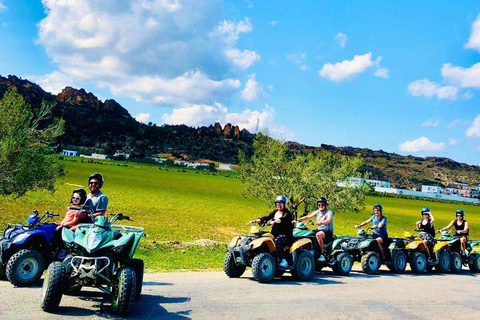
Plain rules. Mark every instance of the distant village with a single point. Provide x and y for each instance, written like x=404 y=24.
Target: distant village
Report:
x=454 y=191
x=159 y=159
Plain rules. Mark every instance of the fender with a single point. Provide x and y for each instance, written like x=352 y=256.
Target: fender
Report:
x=235 y=241
x=68 y=235
x=396 y=244
x=263 y=240
x=440 y=245
x=367 y=243
x=34 y=236
x=302 y=243
x=337 y=244
x=417 y=244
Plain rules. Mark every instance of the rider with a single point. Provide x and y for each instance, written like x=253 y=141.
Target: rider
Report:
x=427 y=233
x=461 y=227
x=281 y=220
x=324 y=233
x=96 y=200
x=74 y=216
x=379 y=227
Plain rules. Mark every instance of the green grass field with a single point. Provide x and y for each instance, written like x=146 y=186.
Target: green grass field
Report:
x=178 y=209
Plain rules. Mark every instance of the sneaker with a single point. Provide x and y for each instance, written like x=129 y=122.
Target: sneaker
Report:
x=283 y=263
x=321 y=258
x=61 y=255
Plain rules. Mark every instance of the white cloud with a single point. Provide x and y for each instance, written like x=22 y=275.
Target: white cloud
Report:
x=462 y=77
x=452 y=141
x=421 y=144
x=474 y=130
x=53 y=82
x=191 y=87
x=155 y=51
x=196 y=115
x=299 y=59
x=429 y=89
x=468 y=95
x=253 y=90
x=273 y=23
x=342 y=39
x=474 y=40
x=453 y=124
x=143 y=117
x=382 y=73
x=430 y=123
x=2 y=6
x=346 y=69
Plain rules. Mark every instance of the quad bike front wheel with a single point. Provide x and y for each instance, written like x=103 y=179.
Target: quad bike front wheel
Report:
x=456 y=259
x=304 y=266
x=474 y=262
x=399 y=262
x=138 y=266
x=343 y=264
x=232 y=270
x=25 y=268
x=123 y=291
x=370 y=262
x=53 y=286
x=444 y=262
x=418 y=262
x=263 y=267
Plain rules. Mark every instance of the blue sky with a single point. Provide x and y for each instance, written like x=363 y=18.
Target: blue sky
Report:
x=398 y=76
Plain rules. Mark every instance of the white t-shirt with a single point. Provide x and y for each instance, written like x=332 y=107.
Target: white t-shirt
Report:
x=321 y=217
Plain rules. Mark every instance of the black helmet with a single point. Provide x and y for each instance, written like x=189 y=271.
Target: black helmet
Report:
x=378 y=206
x=82 y=193
x=281 y=199
x=97 y=176
x=322 y=200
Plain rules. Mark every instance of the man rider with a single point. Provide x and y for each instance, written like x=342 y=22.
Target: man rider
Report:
x=96 y=200
x=324 y=233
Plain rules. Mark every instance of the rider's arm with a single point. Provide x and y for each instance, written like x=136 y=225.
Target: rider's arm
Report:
x=418 y=224
x=72 y=222
x=380 y=224
x=466 y=228
x=327 y=220
x=449 y=225
x=364 y=223
x=264 y=219
x=307 y=217
x=99 y=213
x=432 y=219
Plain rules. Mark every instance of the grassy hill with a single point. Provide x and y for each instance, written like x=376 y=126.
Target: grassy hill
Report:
x=182 y=210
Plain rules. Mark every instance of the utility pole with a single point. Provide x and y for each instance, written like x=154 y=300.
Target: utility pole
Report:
x=258 y=123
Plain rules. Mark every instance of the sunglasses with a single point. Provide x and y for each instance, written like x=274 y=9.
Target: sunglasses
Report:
x=459 y=215
x=76 y=198
x=321 y=204
x=426 y=214
x=93 y=182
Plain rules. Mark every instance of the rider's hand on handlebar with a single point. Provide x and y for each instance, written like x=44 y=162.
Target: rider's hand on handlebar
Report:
x=357 y=226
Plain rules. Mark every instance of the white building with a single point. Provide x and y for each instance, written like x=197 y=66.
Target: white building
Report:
x=69 y=153
x=98 y=156
x=226 y=167
x=378 y=183
x=431 y=189
x=121 y=154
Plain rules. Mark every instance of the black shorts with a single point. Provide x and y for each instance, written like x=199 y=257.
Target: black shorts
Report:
x=384 y=238
x=328 y=235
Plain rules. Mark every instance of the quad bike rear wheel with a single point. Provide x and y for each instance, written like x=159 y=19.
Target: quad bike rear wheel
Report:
x=53 y=286
x=443 y=262
x=418 y=262
x=343 y=264
x=263 y=267
x=123 y=291
x=138 y=266
x=399 y=262
x=25 y=267
x=456 y=260
x=231 y=269
x=304 y=266
x=370 y=262
x=474 y=262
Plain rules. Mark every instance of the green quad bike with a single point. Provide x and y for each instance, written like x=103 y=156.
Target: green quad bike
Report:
x=257 y=250
x=364 y=249
x=101 y=256
x=335 y=254
x=416 y=252
x=470 y=259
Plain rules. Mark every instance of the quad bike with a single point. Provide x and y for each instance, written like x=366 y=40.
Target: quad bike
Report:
x=257 y=250
x=26 y=249
x=417 y=257
x=101 y=256
x=470 y=259
x=364 y=249
x=335 y=254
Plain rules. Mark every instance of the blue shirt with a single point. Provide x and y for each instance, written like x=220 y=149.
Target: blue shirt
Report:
x=98 y=202
x=382 y=232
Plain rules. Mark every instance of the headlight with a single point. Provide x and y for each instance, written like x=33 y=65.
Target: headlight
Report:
x=118 y=249
x=94 y=240
x=21 y=237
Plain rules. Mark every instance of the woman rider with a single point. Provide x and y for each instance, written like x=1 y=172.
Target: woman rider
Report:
x=427 y=233
x=379 y=227
x=461 y=227
x=282 y=227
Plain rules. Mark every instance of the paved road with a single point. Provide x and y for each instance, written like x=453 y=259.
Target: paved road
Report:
x=211 y=295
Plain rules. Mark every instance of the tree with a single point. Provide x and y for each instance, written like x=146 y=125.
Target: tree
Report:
x=25 y=139
x=273 y=170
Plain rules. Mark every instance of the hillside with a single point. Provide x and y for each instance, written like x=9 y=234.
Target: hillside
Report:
x=105 y=127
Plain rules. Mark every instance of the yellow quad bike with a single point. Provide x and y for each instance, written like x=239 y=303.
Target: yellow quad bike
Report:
x=257 y=250
x=416 y=252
